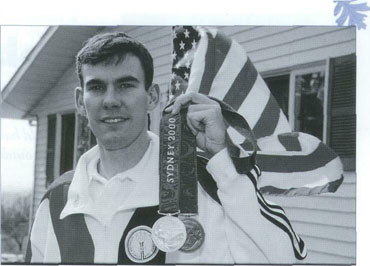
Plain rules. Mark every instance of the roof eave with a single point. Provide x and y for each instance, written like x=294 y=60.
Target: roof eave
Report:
x=10 y=111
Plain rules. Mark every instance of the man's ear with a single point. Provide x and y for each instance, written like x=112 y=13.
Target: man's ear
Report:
x=153 y=96
x=79 y=101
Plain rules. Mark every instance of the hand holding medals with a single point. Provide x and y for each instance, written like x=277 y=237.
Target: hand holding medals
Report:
x=204 y=119
x=193 y=120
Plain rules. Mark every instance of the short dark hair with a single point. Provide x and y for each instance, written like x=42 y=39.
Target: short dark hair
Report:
x=112 y=48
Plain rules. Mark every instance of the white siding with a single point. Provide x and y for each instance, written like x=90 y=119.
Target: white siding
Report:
x=40 y=163
x=326 y=222
x=270 y=48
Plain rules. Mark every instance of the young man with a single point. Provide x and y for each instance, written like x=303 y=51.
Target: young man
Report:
x=104 y=214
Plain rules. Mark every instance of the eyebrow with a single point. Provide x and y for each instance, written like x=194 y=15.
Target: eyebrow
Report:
x=127 y=79
x=94 y=81
x=119 y=80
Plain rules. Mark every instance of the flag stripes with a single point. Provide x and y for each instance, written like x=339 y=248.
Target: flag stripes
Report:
x=212 y=62
x=298 y=163
x=271 y=145
x=242 y=85
x=230 y=68
x=268 y=120
x=302 y=183
x=282 y=125
x=233 y=79
x=298 y=191
x=293 y=163
x=290 y=142
x=255 y=103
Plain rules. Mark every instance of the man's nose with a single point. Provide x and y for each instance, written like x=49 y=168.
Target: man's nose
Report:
x=111 y=99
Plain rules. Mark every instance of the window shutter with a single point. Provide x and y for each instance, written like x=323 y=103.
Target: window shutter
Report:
x=52 y=123
x=342 y=109
x=67 y=143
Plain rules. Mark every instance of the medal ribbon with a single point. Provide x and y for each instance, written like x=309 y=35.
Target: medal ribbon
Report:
x=178 y=180
x=178 y=169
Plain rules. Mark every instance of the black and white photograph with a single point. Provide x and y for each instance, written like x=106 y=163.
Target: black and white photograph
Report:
x=178 y=144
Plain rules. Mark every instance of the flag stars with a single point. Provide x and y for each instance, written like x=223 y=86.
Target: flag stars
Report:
x=174 y=34
x=174 y=56
x=182 y=45
x=186 y=75
x=194 y=43
x=187 y=64
x=173 y=75
x=177 y=85
x=186 y=33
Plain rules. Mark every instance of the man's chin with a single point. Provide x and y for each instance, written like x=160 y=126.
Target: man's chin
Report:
x=114 y=143
x=114 y=146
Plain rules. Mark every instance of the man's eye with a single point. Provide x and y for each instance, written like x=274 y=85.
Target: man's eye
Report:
x=125 y=85
x=96 y=88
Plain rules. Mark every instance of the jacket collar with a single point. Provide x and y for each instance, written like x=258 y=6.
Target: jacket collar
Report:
x=145 y=174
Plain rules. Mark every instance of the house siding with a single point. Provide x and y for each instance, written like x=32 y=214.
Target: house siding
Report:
x=40 y=162
x=326 y=222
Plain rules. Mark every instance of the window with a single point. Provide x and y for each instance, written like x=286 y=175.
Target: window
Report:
x=50 y=152
x=67 y=143
x=307 y=101
x=301 y=96
x=321 y=100
x=60 y=145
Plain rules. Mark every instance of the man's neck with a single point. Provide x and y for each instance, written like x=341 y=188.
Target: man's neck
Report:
x=113 y=162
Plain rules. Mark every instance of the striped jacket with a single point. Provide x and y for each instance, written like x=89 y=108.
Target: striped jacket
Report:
x=236 y=230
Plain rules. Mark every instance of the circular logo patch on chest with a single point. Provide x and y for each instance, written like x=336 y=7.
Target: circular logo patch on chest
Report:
x=139 y=245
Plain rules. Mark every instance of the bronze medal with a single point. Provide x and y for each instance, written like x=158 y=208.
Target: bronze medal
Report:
x=195 y=235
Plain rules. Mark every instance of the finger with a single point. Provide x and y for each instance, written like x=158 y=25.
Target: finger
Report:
x=179 y=102
x=192 y=97
x=169 y=108
x=198 y=120
x=191 y=126
x=210 y=112
x=200 y=107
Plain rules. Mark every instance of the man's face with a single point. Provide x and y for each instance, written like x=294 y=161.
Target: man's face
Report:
x=115 y=101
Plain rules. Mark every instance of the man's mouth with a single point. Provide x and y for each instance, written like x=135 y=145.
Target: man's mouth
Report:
x=113 y=120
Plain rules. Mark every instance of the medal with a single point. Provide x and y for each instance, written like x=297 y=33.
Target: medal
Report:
x=178 y=186
x=169 y=233
x=139 y=245
x=195 y=235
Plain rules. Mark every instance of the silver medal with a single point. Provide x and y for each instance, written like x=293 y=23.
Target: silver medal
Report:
x=169 y=233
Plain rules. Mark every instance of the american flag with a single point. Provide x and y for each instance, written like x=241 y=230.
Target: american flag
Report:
x=185 y=40
x=293 y=163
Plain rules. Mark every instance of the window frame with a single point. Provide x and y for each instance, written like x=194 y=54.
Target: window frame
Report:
x=292 y=90
x=58 y=140
x=293 y=71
